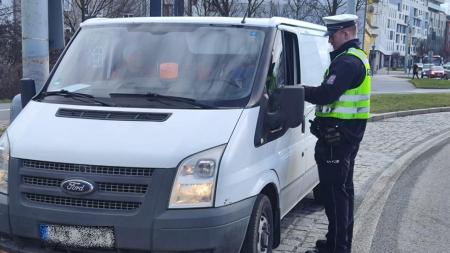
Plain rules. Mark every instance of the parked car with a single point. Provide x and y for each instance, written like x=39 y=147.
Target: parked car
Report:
x=446 y=70
x=436 y=72
x=182 y=159
x=426 y=69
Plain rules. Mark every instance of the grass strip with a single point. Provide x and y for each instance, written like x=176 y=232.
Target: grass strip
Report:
x=428 y=83
x=402 y=102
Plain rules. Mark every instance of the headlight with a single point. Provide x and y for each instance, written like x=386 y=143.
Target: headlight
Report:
x=195 y=182
x=4 y=163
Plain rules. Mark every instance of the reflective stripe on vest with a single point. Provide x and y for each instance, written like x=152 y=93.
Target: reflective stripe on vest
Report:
x=354 y=103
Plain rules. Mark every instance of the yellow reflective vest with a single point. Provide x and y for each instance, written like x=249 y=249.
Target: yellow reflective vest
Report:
x=354 y=103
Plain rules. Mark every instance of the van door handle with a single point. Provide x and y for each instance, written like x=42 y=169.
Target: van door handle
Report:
x=272 y=131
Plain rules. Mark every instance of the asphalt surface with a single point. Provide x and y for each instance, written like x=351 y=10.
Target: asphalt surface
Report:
x=415 y=215
x=4 y=111
x=384 y=143
x=398 y=83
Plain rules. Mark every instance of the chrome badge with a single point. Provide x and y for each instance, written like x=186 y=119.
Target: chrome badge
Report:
x=77 y=186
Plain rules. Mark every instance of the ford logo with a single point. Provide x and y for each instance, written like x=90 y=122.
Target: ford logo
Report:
x=77 y=186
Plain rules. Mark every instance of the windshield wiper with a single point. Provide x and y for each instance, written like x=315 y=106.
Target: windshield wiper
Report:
x=74 y=95
x=155 y=96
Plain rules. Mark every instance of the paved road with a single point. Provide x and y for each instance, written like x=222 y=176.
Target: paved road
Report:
x=4 y=111
x=383 y=143
x=398 y=84
x=415 y=217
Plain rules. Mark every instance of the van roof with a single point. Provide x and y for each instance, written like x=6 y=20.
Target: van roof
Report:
x=260 y=22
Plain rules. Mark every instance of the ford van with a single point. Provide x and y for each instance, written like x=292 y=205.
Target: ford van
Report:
x=164 y=135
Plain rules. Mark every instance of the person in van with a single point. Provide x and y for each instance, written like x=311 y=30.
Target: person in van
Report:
x=134 y=64
x=343 y=102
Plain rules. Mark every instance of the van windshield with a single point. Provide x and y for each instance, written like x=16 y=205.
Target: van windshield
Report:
x=122 y=64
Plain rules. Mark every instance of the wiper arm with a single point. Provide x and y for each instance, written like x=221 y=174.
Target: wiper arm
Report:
x=156 y=96
x=74 y=95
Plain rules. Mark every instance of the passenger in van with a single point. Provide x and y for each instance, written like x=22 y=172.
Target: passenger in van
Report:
x=343 y=102
x=134 y=63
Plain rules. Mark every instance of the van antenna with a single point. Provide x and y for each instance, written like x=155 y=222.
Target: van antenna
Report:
x=245 y=15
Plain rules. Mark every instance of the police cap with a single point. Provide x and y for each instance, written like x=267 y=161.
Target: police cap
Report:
x=338 y=22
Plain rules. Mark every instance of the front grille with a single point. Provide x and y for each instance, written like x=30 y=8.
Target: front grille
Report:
x=110 y=115
x=88 y=169
x=86 y=203
x=115 y=188
x=100 y=186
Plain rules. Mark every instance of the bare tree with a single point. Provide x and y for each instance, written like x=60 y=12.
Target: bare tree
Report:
x=78 y=11
x=201 y=8
x=301 y=9
x=330 y=7
x=10 y=51
x=224 y=8
x=253 y=6
x=360 y=5
x=422 y=47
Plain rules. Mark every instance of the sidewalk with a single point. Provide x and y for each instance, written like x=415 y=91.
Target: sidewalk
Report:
x=384 y=142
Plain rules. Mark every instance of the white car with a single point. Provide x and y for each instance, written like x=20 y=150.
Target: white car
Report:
x=165 y=135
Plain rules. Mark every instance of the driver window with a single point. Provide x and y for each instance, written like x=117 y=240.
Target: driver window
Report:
x=276 y=75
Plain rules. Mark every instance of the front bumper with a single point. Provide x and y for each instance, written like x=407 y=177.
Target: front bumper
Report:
x=150 y=228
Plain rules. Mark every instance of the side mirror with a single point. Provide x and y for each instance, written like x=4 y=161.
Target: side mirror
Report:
x=290 y=101
x=292 y=104
x=28 y=90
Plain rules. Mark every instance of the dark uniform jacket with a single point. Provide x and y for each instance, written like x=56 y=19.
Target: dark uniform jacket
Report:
x=345 y=72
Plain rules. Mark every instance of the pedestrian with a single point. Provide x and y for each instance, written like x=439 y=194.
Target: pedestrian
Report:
x=415 y=71
x=343 y=103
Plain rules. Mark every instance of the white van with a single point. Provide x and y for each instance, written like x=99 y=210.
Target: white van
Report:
x=165 y=135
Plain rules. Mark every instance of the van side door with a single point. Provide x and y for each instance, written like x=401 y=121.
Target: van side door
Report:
x=315 y=60
x=290 y=146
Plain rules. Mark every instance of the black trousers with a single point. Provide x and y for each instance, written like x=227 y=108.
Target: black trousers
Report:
x=335 y=164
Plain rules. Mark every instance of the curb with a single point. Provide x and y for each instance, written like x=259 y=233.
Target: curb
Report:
x=388 y=115
x=371 y=208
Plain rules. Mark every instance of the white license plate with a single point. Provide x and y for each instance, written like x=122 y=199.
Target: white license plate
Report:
x=78 y=236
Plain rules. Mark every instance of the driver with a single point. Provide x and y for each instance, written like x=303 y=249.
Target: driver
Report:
x=134 y=63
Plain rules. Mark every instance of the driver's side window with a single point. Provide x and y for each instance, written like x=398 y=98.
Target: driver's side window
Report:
x=276 y=74
x=284 y=66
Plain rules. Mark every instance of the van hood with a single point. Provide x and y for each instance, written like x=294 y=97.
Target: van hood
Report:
x=38 y=134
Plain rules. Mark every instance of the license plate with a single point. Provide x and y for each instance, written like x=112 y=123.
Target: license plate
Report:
x=78 y=236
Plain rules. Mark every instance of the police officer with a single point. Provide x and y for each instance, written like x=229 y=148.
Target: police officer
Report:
x=343 y=102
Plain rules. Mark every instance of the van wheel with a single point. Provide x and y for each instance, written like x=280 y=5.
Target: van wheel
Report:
x=318 y=195
x=259 y=237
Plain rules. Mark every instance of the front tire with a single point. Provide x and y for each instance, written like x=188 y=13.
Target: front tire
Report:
x=259 y=236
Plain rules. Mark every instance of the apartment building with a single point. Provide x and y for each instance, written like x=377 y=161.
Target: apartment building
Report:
x=437 y=20
x=399 y=26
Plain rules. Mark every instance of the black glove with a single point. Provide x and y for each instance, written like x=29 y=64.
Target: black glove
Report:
x=314 y=128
